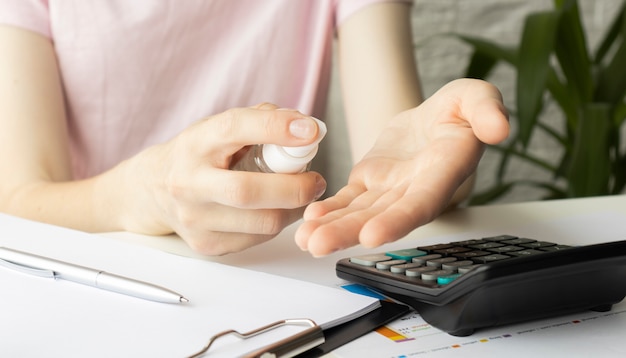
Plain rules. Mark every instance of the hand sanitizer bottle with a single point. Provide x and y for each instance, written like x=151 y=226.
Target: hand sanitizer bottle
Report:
x=272 y=158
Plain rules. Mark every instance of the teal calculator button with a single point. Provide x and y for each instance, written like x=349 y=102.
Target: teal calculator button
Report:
x=406 y=254
x=444 y=280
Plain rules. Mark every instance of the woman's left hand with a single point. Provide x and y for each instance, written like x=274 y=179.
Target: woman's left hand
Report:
x=411 y=174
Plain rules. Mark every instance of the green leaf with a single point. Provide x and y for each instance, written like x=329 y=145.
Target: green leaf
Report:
x=619 y=163
x=611 y=35
x=560 y=94
x=612 y=78
x=619 y=114
x=505 y=158
x=619 y=172
x=480 y=65
x=510 y=151
x=491 y=194
x=554 y=192
x=533 y=67
x=490 y=49
x=590 y=166
x=589 y=94
x=571 y=51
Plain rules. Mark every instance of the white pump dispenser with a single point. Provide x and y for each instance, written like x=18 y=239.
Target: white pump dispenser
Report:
x=272 y=158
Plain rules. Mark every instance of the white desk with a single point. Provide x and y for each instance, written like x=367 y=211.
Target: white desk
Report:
x=48 y=312
x=281 y=256
x=578 y=219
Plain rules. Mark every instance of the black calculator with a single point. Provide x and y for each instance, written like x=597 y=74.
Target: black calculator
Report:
x=463 y=286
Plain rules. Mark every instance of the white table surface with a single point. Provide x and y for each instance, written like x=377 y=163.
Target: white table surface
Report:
x=281 y=256
x=560 y=218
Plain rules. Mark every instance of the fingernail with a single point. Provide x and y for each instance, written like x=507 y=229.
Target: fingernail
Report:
x=303 y=128
x=320 y=187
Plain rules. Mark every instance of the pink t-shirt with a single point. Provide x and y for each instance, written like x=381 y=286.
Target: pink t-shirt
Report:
x=137 y=72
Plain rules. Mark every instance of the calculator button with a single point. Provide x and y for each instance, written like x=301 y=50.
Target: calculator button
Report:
x=406 y=255
x=440 y=261
x=422 y=259
x=466 y=269
x=452 y=250
x=500 y=238
x=403 y=267
x=433 y=275
x=385 y=265
x=538 y=244
x=468 y=242
x=432 y=248
x=555 y=248
x=448 y=282
x=490 y=258
x=369 y=260
x=486 y=245
x=505 y=249
x=470 y=254
x=444 y=280
x=456 y=265
x=518 y=241
x=417 y=272
x=526 y=252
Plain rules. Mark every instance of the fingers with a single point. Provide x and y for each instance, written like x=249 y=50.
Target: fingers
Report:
x=376 y=219
x=253 y=206
x=222 y=243
x=356 y=222
x=239 y=127
x=248 y=190
x=248 y=221
x=222 y=230
x=340 y=227
x=399 y=219
x=266 y=105
x=340 y=200
x=237 y=210
x=372 y=217
x=441 y=154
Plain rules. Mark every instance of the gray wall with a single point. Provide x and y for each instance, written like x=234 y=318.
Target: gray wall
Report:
x=445 y=59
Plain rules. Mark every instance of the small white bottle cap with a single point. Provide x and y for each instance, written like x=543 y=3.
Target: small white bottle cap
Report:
x=292 y=159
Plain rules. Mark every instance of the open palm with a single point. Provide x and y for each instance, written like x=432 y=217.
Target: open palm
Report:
x=410 y=175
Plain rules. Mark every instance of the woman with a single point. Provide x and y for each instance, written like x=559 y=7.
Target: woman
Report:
x=118 y=115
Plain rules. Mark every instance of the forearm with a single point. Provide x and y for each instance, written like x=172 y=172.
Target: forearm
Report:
x=378 y=76
x=98 y=204
x=35 y=163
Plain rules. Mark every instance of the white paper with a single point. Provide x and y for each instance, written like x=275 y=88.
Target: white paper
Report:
x=42 y=317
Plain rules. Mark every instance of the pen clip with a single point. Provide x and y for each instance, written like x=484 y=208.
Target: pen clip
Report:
x=27 y=269
x=287 y=347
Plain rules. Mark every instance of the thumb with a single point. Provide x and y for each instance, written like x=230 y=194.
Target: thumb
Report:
x=483 y=108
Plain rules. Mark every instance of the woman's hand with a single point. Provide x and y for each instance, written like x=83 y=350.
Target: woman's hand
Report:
x=185 y=185
x=410 y=175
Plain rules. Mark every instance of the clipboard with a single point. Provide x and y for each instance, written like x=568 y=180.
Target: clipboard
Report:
x=337 y=336
x=314 y=342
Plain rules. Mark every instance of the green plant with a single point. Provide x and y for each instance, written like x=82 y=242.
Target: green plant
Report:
x=553 y=63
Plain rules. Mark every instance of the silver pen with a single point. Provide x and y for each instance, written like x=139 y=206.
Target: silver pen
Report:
x=47 y=267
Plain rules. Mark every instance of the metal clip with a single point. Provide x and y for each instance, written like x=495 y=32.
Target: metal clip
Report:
x=285 y=348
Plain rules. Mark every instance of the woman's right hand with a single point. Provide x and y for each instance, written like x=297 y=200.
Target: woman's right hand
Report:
x=185 y=185
x=181 y=186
